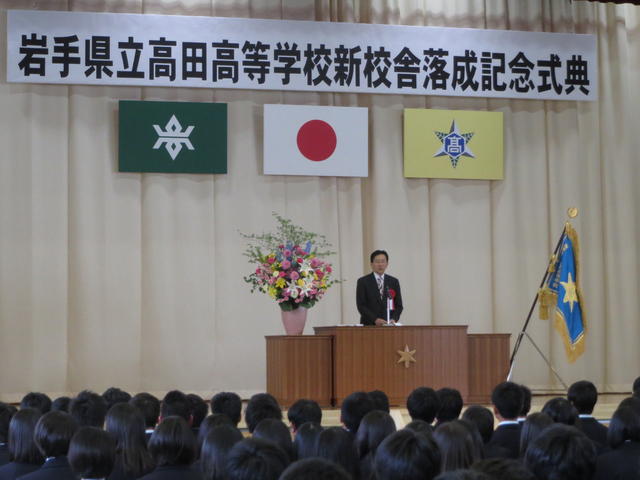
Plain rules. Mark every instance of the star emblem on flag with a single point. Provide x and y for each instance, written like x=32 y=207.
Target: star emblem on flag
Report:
x=454 y=144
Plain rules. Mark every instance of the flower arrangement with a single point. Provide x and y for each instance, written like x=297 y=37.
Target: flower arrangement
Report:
x=290 y=268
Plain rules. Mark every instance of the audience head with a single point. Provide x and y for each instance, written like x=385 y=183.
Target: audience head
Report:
x=88 y=409
x=126 y=425
x=6 y=412
x=61 y=404
x=256 y=459
x=261 y=406
x=149 y=406
x=419 y=426
x=507 y=399
x=173 y=442
x=314 y=469
x=199 y=409
x=22 y=447
x=53 y=433
x=450 y=404
x=380 y=400
x=503 y=469
x=215 y=450
x=354 y=408
x=464 y=474
x=423 y=404
x=526 y=402
x=458 y=447
x=176 y=404
x=306 y=439
x=583 y=395
x=636 y=387
x=114 y=395
x=208 y=424
x=37 y=400
x=337 y=445
x=624 y=426
x=561 y=411
x=229 y=404
x=374 y=428
x=532 y=428
x=407 y=455
x=561 y=452
x=482 y=418
x=276 y=431
x=92 y=453
x=631 y=402
x=303 y=411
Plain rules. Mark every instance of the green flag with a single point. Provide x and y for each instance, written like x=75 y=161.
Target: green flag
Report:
x=173 y=137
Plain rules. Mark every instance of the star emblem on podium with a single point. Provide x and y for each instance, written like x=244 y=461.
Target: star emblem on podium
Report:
x=406 y=356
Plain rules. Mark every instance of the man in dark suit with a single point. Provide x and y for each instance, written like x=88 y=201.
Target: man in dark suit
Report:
x=374 y=289
x=507 y=399
x=583 y=395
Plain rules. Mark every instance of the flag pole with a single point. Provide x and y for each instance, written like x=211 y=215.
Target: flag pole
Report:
x=572 y=212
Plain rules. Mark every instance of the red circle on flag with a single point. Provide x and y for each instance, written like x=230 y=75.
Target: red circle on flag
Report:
x=317 y=140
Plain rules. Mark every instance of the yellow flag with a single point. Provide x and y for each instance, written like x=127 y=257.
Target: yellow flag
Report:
x=453 y=144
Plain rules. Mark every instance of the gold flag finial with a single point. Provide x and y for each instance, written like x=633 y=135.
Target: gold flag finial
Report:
x=572 y=212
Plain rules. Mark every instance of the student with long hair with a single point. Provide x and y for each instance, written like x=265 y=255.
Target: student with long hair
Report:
x=374 y=428
x=126 y=425
x=305 y=440
x=173 y=449
x=215 y=451
x=337 y=445
x=277 y=432
x=92 y=453
x=458 y=446
x=623 y=461
x=23 y=452
x=532 y=428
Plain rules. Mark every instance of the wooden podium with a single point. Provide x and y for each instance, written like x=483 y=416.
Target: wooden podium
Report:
x=337 y=361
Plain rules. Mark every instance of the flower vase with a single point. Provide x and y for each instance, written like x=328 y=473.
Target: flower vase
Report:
x=294 y=320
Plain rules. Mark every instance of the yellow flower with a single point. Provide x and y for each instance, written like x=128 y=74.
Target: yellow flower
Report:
x=272 y=292
x=280 y=283
x=301 y=283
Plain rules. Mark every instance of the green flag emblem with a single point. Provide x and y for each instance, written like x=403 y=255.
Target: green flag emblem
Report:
x=173 y=137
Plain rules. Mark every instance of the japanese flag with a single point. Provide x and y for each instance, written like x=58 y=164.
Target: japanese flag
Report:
x=310 y=140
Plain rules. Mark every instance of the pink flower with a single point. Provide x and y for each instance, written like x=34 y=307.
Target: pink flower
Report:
x=294 y=275
x=320 y=274
x=286 y=264
x=271 y=260
x=287 y=253
x=314 y=262
x=281 y=274
x=299 y=259
x=329 y=269
x=257 y=271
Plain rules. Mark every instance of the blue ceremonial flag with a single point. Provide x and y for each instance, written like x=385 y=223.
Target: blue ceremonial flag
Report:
x=561 y=296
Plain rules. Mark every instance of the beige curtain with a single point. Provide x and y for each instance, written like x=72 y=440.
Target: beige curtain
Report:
x=135 y=280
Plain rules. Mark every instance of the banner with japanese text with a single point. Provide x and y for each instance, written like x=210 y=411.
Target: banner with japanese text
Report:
x=208 y=52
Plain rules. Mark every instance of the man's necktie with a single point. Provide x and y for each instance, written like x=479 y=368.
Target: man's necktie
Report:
x=379 y=280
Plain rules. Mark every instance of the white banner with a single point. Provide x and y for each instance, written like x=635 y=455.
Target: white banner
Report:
x=180 y=51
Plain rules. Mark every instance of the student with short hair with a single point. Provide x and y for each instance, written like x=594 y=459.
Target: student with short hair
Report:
x=88 y=409
x=526 y=403
x=199 y=410
x=261 y=406
x=92 y=453
x=176 y=403
x=37 y=400
x=380 y=400
x=507 y=399
x=114 y=395
x=503 y=469
x=6 y=412
x=583 y=395
x=126 y=425
x=256 y=459
x=636 y=387
x=52 y=436
x=215 y=451
x=623 y=460
x=173 y=449
x=423 y=404
x=303 y=411
x=229 y=404
x=149 y=406
x=561 y=411
x=354 y=407
x=407 y=455
x=61 y=404
x=450 y=405
x=24 y=455
x=561 y=452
